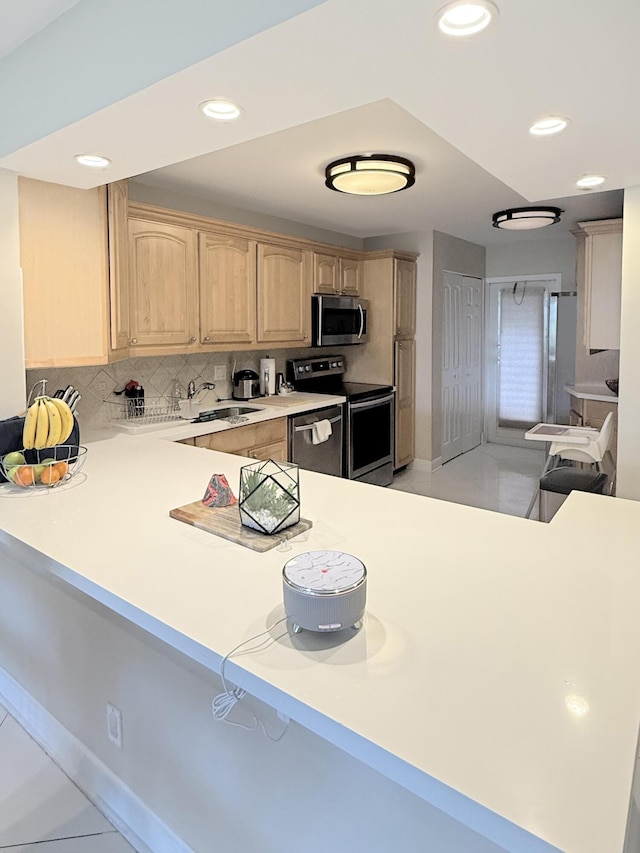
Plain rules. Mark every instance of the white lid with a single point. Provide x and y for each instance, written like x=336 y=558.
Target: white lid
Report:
x=324 y=572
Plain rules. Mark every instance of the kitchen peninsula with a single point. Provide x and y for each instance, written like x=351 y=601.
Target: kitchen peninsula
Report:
x=488 y=703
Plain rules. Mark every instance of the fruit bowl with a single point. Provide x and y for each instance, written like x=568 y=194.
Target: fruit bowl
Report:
x=43 y=469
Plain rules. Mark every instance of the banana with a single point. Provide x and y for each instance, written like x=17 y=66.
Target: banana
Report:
x=66 y=416
x=55 y=423
x=42 y=426
x=29 y=430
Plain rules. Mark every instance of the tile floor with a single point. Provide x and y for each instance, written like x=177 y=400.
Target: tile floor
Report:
x=493 y=476
x=41 y=810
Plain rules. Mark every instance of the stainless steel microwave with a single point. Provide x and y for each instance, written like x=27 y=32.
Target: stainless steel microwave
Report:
x=338 y=320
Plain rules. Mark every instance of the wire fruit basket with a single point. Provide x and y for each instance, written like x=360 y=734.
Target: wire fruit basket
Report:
x=43 y=469
x=144 y=410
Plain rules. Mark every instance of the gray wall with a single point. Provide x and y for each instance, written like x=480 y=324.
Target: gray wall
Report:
x=450 y=254
x=147 y=194
x=534 y=257
x=12 y=379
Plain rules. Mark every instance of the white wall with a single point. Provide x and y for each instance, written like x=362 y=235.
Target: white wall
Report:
x=421 y=242
x=218 y=787
x=628 y=485
x=12 y=377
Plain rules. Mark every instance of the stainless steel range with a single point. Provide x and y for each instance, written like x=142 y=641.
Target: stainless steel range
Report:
x=369 y=416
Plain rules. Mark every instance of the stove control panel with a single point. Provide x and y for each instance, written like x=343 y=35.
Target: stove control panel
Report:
x=315 y=368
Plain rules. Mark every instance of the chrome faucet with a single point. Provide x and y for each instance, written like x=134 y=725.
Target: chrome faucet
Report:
x=192 y=390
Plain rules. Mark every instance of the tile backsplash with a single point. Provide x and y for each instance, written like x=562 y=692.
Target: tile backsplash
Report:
x=159 y=377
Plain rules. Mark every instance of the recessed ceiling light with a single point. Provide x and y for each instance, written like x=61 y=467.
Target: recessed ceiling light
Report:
x=370 y=174
x=589 y=182
x=93 y=161
x=526 y=218
x=221 y=110
x=548 y=126
x=466 y=17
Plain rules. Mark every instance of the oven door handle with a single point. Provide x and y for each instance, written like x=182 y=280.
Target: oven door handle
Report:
x=310 y=426
x=361 y=321
x=369 y=404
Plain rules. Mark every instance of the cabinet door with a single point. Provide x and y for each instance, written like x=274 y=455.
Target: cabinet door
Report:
x=117 y=201
x=325 y=273
x=405 y=365
x=63 y=254
x=284 y=295
x=276 y=451
x=405 y=298
x=162 y=284
x=350 y=276
x=603 y=274
x=227 y=274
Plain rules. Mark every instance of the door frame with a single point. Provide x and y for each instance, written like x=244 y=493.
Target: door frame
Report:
x=509 y=437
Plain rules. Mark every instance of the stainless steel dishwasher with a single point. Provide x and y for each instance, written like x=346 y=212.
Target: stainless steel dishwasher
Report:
x=326 y=457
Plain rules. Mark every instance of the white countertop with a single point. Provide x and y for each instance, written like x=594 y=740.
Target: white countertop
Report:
x=495 y=675
x=594 y=391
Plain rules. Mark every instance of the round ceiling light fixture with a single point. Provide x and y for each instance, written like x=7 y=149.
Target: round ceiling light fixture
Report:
x=526 y=218
x=548 y=126
x=370 y=174
x=92 y=161
x=466 y=17
x=221 y=109
x=590 y=182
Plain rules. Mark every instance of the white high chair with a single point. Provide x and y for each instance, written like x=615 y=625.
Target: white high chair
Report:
x=575 y=444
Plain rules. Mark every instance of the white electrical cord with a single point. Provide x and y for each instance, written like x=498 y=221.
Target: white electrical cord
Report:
x=224 y=702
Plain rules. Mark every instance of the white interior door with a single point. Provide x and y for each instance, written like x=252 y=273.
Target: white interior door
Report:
x=461 y=364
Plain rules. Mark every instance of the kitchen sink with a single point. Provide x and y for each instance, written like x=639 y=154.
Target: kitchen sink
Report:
x=226 y=414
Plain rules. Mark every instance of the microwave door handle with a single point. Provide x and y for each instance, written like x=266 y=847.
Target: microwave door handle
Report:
x=361 y=321
x=319 y=321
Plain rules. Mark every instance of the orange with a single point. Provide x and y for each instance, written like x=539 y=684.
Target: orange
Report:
x=61 y=468
x=23 y=475
x=50 y=476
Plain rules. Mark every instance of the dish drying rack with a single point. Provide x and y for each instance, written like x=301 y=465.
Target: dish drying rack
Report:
x=144 y=410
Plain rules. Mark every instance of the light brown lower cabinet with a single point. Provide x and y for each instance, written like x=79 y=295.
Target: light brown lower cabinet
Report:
x=405 y=365
x=266 y=440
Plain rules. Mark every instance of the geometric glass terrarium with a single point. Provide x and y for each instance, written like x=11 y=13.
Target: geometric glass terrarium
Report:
x=269 y=496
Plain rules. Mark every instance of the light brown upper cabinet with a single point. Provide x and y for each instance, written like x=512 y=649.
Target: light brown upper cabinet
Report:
x=227 y=273
x=405 y=298
x=350 y=276
x=63 y=254
x=284 y=294
x=334 y=274
x=117 y=203
x=163 y=292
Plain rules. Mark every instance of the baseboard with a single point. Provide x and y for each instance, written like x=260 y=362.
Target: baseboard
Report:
x=142 y=828
x=421 y=465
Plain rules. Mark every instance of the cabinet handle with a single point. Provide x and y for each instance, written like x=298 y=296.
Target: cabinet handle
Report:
x=193 y=340
x=207 y=338
x=304 y=337
x=133 y=341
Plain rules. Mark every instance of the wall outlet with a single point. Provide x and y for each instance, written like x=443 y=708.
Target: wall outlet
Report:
x=220 y=372
x=114 y=725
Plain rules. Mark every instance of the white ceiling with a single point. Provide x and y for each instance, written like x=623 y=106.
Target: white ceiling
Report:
x=365 y=75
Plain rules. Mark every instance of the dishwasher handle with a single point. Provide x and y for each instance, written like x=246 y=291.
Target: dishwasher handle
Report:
x=310 y=426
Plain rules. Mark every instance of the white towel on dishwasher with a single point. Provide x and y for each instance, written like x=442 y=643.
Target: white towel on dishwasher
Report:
x=320 y=432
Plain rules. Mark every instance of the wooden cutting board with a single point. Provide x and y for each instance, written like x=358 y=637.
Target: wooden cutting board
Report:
x=293 y=399
x=225 y=522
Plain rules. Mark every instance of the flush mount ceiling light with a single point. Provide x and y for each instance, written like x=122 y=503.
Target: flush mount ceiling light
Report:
x=92 y=161
x=370 y=174
x=221 y=110
x=548 y=126
x=525 y=218
x=589 y=182
x=465 y=17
